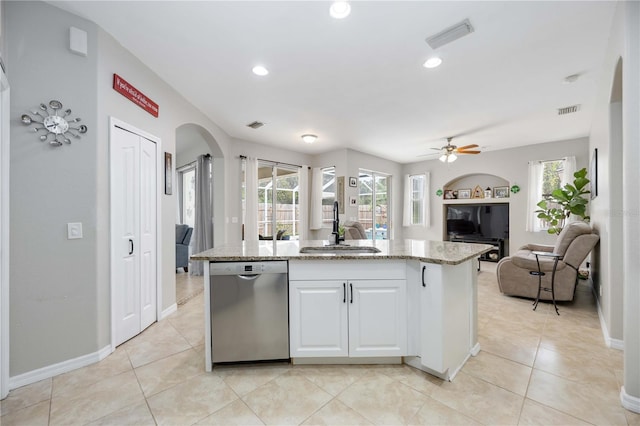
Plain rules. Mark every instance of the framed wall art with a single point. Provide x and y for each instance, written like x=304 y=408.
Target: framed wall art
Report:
x=464 y=194
x=353 y=182
x=501 y=192
x=168 y=174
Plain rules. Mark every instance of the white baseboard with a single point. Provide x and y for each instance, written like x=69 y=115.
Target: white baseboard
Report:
x=631 y=403
x=610 y=342
x=59 y=368
x=171 y=309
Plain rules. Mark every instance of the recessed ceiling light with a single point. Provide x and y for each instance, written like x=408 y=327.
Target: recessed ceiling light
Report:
x=260 y=70
x=432 y=62
x=340 y=9
x=308 y=138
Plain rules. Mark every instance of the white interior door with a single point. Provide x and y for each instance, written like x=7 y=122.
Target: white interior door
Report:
x=147 y=232
x=133 y=234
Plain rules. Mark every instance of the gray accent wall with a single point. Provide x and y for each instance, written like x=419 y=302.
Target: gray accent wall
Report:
x=53 y=295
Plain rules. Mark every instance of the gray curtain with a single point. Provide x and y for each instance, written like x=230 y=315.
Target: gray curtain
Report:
x=203 y=228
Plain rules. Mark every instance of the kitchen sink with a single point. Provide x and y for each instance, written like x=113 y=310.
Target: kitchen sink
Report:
x=340 y=248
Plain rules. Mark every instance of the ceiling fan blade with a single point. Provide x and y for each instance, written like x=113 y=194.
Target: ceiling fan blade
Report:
x=468 y=152
x=468 y=146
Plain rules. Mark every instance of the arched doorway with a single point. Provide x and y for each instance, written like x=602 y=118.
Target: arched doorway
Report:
x=194 y=141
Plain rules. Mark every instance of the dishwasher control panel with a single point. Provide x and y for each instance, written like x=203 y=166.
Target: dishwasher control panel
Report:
x=239 y=268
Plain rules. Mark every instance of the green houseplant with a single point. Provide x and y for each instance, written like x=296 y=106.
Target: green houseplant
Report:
x=556 y=207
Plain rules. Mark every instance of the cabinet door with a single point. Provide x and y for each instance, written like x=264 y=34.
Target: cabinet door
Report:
x=377 y=318
x=318 y=318
x=446 y=308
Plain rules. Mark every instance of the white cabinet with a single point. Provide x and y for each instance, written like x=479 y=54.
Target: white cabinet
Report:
x=445 y=301
x=357 y=317
x=318 y=324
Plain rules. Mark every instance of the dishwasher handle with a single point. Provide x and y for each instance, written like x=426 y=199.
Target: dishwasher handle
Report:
x=248 y=277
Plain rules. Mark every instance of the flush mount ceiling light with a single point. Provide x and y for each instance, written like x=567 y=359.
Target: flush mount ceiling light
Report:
x=308 y=138
x=260 y=70
x=450 y=34
x=432 y=62
x=340 y=9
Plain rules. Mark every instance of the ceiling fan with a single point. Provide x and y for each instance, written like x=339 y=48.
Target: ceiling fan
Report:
x=449 y=151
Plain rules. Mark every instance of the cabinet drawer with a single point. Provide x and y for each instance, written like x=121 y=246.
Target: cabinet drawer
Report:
x=375 y=269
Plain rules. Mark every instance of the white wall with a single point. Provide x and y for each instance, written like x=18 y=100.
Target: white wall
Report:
x=606 y=209
x=509 y=164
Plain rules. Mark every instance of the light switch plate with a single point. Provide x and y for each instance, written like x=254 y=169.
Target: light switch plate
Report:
x=74 y=230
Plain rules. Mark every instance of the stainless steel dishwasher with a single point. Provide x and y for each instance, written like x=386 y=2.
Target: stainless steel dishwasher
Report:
x=249 y=311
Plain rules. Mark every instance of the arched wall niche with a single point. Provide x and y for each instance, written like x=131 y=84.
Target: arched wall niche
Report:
x=470 y=181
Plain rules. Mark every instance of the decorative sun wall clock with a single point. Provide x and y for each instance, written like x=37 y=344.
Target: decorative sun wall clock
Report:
x=56 y=124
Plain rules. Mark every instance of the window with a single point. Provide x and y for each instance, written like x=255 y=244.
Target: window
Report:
x=545 y=177
x=187 y=182
x=278 y=201
x=373 y=204
x=417 y=183
x=328 y=194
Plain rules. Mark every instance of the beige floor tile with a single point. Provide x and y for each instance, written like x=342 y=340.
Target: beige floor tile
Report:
x=26 y=396
x=633 y=419
x=336 y=413
x=412 y=377
x=576 y=365
x=33 y=415
x=534 y=413
x=114 y=364
x=480 y=400
x=156 y=342
x=382 y=400
x=190 y=325
x=236 y=413
x=596 y=404
x=518 y=348
x=97 y=400
x=134 y=415
x=169 y=371
x=244 y=379
x=331 y=378
x=507 y=374
x=191 y=400
x=187 y=286
x=436 y=413
x=288 y=399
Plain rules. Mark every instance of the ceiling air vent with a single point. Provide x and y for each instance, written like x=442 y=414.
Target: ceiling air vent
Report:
x=568 y=110
x=450 y=34
x=255 y=125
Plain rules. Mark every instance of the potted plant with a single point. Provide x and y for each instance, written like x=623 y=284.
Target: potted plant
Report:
x=556 y=208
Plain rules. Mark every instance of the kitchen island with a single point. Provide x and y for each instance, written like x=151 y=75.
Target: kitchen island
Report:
x=413 y=301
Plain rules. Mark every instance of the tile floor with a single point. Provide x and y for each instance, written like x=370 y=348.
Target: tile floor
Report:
x=534 y=368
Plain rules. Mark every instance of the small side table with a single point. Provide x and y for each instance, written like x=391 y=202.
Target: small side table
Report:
x=540 y=274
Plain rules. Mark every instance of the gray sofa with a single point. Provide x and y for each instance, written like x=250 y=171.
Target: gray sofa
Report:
x=183 y=238
x=574 y=243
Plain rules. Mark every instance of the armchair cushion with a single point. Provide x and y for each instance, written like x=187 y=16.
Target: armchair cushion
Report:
x=354 y=231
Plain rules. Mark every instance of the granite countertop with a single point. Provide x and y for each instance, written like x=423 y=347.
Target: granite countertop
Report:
x=440 y=252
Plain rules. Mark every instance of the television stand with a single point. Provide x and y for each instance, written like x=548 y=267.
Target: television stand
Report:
x=493 y=255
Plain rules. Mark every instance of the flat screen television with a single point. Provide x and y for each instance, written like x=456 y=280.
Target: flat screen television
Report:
x=481 y=221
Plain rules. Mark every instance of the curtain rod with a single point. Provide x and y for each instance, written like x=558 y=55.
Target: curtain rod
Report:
x=244 y=157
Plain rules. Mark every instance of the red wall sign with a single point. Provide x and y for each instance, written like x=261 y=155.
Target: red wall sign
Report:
x=121 y=86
